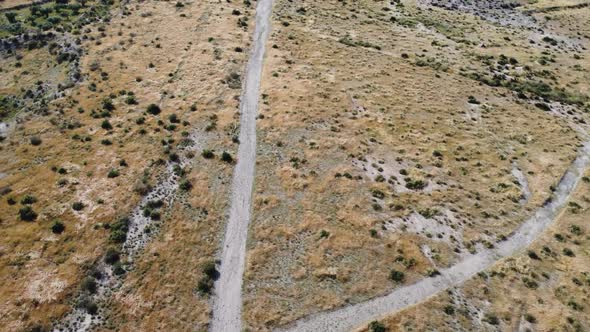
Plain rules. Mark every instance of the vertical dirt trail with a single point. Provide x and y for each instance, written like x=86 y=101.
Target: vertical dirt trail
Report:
x=227 y=305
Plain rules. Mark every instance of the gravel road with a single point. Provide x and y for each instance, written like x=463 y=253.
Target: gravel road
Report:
x=227 y=305
x=353 y=316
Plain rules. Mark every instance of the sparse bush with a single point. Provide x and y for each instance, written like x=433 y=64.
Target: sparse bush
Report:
x=530 y=318
x=28 y=200
x=107 y=104
x=118 y=269
x=376 y=326
x=57 y=227
x=378 y=193
x=207 y=154
x=89 y=284
x=78 y=206
x=36 y=140
x=473 y=100
x=185 y=185
x=449 y=310
x=205 y=285
x=568 y=252
x=112 y=256
x=153 y=109
x=491 y=319
x=226 y=157
x=119 y=230
x=27 y=214
x=106 y=125
x=397 y=276
x=210 y=270
x=113 y=173
x=87 y=304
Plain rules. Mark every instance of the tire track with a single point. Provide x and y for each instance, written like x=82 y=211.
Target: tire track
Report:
x=227 y=305
x=350 y=317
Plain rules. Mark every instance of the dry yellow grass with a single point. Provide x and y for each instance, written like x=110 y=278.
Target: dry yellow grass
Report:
x=320 y=240
x=543 y=289
x=175 y=57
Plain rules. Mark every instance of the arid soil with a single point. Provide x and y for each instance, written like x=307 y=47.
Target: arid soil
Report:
x=384 y=147
x=101 y=148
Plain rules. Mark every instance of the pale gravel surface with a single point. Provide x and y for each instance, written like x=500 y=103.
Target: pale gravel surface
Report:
x=227 y=305
x=354 y=316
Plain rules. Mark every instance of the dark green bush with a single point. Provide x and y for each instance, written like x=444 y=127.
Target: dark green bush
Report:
x=27 y=214
x=153 y=109
x=226 y=157
x=112 y=256
x=376 y=326
x=397 y=276
x=57 y=227
x=185 y=185
x=87 y=304
x=106 y=125
x=77 y=206
x=89 y=284
x=210 y=270
x=28 y=200
x=208 y=154
x=113 y=173
x=36 y=140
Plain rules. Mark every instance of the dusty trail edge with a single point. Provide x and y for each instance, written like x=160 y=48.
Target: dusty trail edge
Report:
x=354 y=316
x=227 y=302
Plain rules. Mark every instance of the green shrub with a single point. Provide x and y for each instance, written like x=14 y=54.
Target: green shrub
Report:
x=185 y=185
x=87 y=304
x=27 y=214
x=77 y=206
x=226 y=157
x=376 y=326
x=207 y=154
x=449 y=309
x=205 y=285
x=89 y=284
x=106 y=125
x=530 y=318
x=113 y=173
x=112 y=256
x=36 y=140
x=118 y=269
x=28 y=200
x=397 y=276
x=473 y=100
x=491 y=319
x=57 y=227
x=154 y=109
x=210 y=270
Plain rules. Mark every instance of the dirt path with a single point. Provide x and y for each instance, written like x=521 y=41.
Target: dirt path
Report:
x=350 y=317
x=227 y=305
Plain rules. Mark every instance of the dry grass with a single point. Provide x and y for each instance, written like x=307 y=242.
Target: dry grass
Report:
x=557 y=300
x=40 y=270
x=319 y=239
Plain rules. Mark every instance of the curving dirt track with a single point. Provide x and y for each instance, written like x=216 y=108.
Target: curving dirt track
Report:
x=350 y=317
